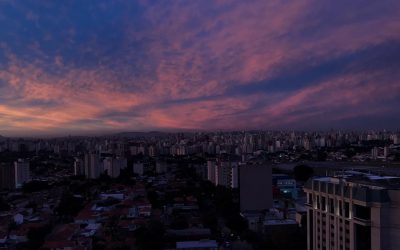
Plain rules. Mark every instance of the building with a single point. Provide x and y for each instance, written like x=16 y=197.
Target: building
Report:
x=122 y=162
x=255 y=184
x=286 y=185
x=7 y=176
x=211 y=171
x=200 y=245
x=374 y=153
x=223 y=173
x=138 y=168
x=396 y=139
x=353 y=211
x=386 y=152
x=113 y=166
x=79 y=167
x=93 y=168
x=235 y=176
x=22 y=172
x=161 y=167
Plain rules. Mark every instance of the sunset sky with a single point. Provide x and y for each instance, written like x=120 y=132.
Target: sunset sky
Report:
x=78 y=67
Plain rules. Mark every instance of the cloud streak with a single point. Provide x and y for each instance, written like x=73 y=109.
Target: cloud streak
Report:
x=113 y=65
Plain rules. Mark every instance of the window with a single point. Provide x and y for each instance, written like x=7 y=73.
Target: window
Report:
x=340 y=208
x=361 y=212
x=331 y=206
x=323 y=200
x=347 y=210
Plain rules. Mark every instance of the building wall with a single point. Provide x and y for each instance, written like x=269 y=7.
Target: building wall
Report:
x=341 y=230
x=223 y=174
x=393 y=217
x=79 y=168
x=255 y=184
x=211 y=171
x=235 y=177
x=161 y=167
x=93 y=167
x=7 y=176
x=138 y=168
x=22 y=172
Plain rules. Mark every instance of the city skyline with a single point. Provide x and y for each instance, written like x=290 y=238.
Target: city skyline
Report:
x=112 y=66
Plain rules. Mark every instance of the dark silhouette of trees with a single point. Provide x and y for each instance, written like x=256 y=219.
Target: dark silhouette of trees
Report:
x=4 y=206
x=69 y=205
x=35 y=186
x=36 y=236
x=303 y=172
x=151 y=237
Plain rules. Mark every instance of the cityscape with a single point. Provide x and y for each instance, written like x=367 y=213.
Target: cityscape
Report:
x=199 y=125
x=215 y=190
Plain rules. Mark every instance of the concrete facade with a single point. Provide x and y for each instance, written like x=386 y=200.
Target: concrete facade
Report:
x=353 y=211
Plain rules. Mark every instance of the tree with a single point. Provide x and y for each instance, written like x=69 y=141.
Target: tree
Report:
x=36 y=236
x=179 y=222
x=35 y=186
x=69 y=205
x=152 y=196
x=236 y=223
x=151 y=237
x=303 y=172
x=4 y=206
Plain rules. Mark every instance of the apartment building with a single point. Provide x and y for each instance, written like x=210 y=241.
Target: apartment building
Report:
x=353 y=211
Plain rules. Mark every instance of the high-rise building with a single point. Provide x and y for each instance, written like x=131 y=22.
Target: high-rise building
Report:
x=161 y=167
x=235 y=176
x=122 y=162
x=255 y=184
x=7 y=176
x=396 y=139
x=22 y=172
x=113 y=166
x=354 y=211
x=223 y=174
x=79 y=168
x=386 y=151
x=138 y=168
x=374 y=153
x=93 y=168
x=152 y=151
x=211 y=171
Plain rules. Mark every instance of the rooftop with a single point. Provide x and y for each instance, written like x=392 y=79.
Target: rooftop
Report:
x=196 y=244
x=361 y=178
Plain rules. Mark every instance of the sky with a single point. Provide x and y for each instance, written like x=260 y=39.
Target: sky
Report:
x=80 y=67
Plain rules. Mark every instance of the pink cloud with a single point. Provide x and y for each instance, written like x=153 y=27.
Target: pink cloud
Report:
x=195 y=53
